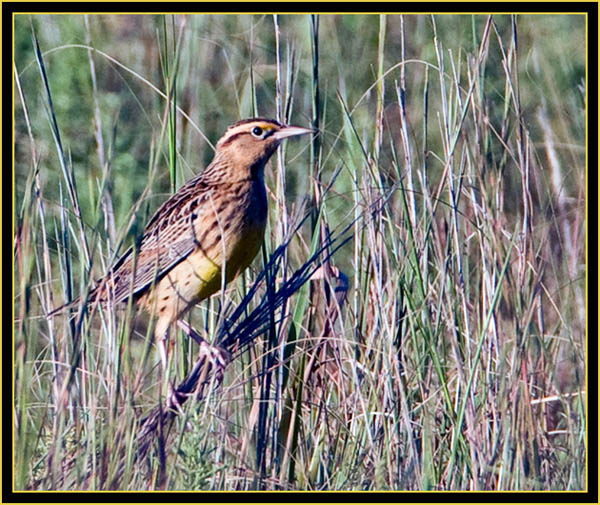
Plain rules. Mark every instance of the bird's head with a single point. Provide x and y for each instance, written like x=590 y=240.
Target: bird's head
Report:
x=248 y=144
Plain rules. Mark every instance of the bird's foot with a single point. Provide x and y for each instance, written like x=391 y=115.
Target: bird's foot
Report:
x=215 y=359
x=218 y=357
x=173 y=402
x=207 y=372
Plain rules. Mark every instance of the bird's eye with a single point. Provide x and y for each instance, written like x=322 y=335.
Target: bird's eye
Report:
x=257 y=131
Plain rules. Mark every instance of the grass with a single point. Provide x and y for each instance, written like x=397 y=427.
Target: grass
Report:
x=442 y=347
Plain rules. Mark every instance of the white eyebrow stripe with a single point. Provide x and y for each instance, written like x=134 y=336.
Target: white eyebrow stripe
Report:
x=248 y=127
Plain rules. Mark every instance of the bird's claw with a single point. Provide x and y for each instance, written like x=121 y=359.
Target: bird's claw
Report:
x=172 y=400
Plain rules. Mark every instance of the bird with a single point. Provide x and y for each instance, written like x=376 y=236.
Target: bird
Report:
x=203 y=236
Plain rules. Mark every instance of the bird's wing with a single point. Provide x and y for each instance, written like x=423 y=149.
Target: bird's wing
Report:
x=150 y=265
x=169 y=238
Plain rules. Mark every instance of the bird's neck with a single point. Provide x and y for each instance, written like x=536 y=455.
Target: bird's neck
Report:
x=224 y=170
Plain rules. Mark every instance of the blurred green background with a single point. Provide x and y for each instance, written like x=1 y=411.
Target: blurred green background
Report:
x=227 y=57
x=460 y=352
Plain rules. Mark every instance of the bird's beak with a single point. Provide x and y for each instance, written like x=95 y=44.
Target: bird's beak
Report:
x=290 y=131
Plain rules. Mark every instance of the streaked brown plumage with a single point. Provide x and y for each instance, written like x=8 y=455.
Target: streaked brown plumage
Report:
x=215 y=223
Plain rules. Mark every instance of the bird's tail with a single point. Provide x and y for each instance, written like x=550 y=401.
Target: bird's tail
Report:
x=64 y=308
x=95 y=295
x=92 y=295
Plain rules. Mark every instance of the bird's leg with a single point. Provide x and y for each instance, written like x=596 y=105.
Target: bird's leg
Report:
x=162 y=337
x=190 y=332
x=218 y=357
x=162 y=350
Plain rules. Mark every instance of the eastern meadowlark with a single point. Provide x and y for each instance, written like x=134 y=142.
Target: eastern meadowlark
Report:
x=213 y=225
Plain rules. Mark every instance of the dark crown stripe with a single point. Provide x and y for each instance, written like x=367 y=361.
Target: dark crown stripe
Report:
x=254 y=120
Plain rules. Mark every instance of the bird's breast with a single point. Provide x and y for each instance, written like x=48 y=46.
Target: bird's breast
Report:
x=227 y=240
x=249 y=232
